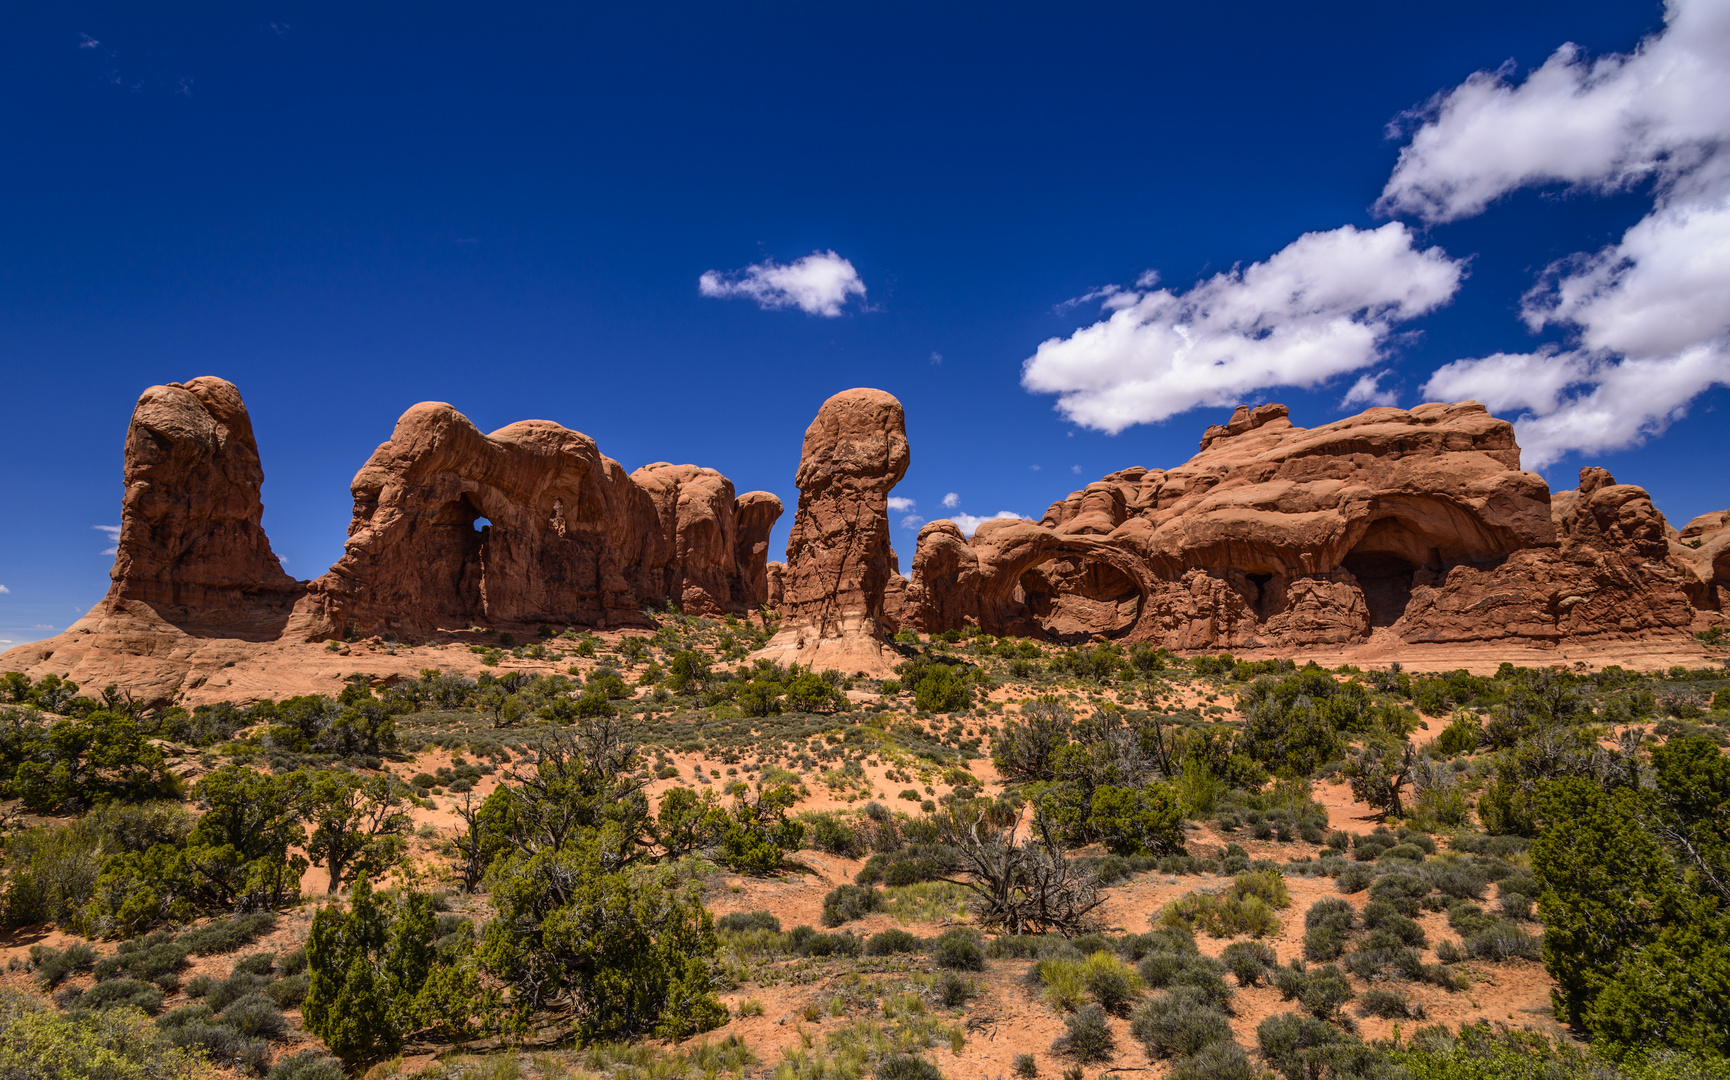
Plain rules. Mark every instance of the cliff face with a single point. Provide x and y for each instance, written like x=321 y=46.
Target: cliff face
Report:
x=1417 y=525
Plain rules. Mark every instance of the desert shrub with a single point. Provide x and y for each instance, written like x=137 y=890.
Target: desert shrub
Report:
x=907 y=1067
x=1111 y=983
x=1460 y=880
x=1373 y=962
x=1354 y=879
x=1387 y=1004
x=833 y=834
x=54 y=965
x=1087 y=1037
x=1062 y=980
x=806 y=941
x=890 y=942
x=122 y=992
x=1403 y=891
x=148 y=960
x=288 y=991
x=849 y=902
x=1179 y=1022
x=1221 y=915
x=194 y=1028
x=308 y=1065
x=953 y=990
x=293 y=963
x=255 y=1015
x=1515 y=905
x=1249 y=961
x=1302 y=1047
x=227 y=935
x=1025 y=1066
x=1222 y=1060
x=908 y=866
x=37 y=1043
x=1502 y=941
x=256 y=964
x=1146 y=820
x=741 y=921
x=958 y=950
x=232 y=989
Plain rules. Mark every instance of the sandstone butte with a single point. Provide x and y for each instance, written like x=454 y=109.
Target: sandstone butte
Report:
x=1394 y=533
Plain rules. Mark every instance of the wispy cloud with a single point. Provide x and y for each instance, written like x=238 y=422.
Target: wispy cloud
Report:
x=951 y=500
x=113 y=534
x=1368 y=391
x=4 y=590
x=936 y=358
x=901 y=504
x=821 y=283
x=85 y=41
x=912 y=521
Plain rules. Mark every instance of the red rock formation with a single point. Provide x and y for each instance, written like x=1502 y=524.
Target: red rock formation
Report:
x=1419 y=523
x=838 y=554
x=192 y=564
x=754 y=517
x=1702 y=548
x=528 y=525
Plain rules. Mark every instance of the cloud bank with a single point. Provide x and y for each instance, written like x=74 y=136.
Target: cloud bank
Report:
x=1322 y=307
x=1648 y=317
x=821 y=283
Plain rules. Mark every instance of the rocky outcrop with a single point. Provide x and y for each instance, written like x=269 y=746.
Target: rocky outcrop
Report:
x=838 y=554
x=754 y=517
x=1702 y=550
x=1418 y=525
x=192 y=565
x=531 y=524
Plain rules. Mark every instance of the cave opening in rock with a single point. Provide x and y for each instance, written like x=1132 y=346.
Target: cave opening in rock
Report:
x=1072 y=599
x=1386 y=581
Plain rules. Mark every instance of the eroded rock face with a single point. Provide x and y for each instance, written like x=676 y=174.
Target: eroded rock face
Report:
x=192 y=565
x=754 y=517
x=1702 y=550
x=1417 y=523
x=528 y=525
x=838 y=554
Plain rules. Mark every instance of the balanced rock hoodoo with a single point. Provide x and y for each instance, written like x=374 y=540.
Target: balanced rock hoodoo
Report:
x=838 y=554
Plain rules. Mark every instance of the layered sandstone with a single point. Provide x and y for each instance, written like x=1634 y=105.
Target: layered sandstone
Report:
x=193 y=570
x=838 y=555
x=1414 y=524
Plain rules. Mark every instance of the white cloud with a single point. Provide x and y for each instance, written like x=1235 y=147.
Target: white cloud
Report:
x=912 y=521
x=1659 y=110
x=951 y=500
x=818 y=284
x=4 y=590
x=1649 y=315
x=1322 y=307
x=968 y=522
x=900 y=504
x=936 y=358
x=113 y=533
x=1076 y=469
x=1368 y=391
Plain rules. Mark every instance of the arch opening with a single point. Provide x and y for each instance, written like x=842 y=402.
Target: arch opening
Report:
x=1072 y=598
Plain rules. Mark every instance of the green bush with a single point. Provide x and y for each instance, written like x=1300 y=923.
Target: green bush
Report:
x=743 y=921
x=1389 y=1005
x=1250 y=962
x=37 y=1043
x=907 y=1067
x=1178 y=1023
x=256 y=1016
x=308 y=1065
x=1302 y=1047
x=1217 y=1061
x=1145 y=820
x=1087 y=1037
x=849 y=902
x=116 y=993
x=54 y=965
x=890 y=942
x=958 y=950
x=1110 y=982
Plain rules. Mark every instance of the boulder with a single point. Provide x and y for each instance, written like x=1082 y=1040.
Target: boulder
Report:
x=838 y=555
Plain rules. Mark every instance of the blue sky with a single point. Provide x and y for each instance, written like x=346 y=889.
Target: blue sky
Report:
x=346 y=209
